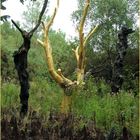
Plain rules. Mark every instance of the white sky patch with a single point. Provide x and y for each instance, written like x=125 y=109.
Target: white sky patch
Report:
x=13 y=8
x=62 y=20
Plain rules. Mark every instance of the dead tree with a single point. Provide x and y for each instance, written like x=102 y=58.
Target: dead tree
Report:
x=20 y=61
x=79 y=52
x=122 y=45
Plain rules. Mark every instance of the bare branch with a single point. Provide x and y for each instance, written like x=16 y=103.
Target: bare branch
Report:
x=40 y=42
x=76 y=53
x=57 y=76
x=81 y=51
x=49 y=58
x=90 y=34
x=51 y=21
x=84 y=16
x=40 y=16
x=17 y=26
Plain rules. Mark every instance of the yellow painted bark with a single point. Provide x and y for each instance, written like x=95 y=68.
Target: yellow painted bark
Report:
x=80 y=76
x=56 y=75
x=79 y=53
x=66 y=104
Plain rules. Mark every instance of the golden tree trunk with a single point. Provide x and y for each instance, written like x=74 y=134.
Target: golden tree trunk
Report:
x=57 y=75
x=66 y=104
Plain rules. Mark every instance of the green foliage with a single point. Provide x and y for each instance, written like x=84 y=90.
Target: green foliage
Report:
x=42 y=97
x=45 y=97
x=88 y=104
x=8 y=40
x=94 y=101
x=31 y=14
x=101 y=50
x=10 y=95
x=108 y=111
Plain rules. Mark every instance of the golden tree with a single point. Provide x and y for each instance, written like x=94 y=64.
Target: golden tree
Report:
x=57 y=75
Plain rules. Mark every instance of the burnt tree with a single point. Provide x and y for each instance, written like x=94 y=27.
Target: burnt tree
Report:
x=122 y=45
x=21 y=61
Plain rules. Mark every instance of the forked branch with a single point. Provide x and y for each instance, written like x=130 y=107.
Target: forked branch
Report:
x=20 y=61
x=80 y=50
x=90 y=34
x=56 y=75
x=17 y=26
x=38 y=23
x=40 y=16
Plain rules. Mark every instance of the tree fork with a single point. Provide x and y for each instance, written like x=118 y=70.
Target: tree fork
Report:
x=66 y=84
x=21 y=61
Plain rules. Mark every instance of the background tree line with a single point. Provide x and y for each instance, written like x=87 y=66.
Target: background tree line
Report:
x=93 y=102
x=101 y=50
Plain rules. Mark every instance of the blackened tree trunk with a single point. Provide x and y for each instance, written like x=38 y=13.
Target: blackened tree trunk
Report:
x=122 y=45
x=21 y=61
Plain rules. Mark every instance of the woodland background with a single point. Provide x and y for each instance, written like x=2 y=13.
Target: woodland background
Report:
x=93 y=103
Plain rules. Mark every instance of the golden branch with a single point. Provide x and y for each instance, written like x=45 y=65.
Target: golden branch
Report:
x=48 y=49
x=84 y=16
x=66 y=80
x=81 y=51
x=57 y=76
x=76 y=53
x=90 y=34
x=40 y=42
x=47 y=27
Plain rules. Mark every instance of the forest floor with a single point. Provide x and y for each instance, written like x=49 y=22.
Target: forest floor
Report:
x=55 y=126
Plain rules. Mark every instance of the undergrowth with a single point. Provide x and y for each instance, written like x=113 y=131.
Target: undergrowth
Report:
x=93 y=102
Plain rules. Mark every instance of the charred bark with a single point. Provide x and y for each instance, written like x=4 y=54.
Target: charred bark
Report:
x=122 y=45
x=21 y=61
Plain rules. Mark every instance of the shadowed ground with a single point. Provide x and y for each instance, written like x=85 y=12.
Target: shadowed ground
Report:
x=55 y=127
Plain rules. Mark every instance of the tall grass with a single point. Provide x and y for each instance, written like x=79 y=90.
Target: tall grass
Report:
x=108 y=111
x=43 y=96
x=92 y=102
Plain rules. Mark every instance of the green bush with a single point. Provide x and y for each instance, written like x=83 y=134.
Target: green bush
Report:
x=45 y=96
x=110 y=111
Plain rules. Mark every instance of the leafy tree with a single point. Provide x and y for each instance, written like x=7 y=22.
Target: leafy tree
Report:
x=111 y=14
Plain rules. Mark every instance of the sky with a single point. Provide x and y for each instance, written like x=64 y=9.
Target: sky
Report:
x=62 y=20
